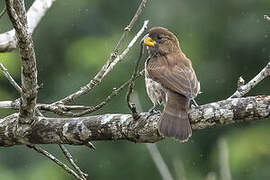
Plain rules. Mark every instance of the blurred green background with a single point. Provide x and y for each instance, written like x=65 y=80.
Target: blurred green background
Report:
x=224 y=40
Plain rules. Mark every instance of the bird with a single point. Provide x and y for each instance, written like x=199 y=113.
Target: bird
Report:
x=170 y=81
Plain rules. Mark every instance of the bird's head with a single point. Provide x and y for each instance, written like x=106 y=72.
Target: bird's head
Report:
x=161 y=41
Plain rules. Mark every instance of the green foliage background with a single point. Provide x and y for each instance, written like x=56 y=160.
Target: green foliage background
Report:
x=224 y=40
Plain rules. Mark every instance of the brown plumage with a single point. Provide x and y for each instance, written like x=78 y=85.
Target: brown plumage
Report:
x=170 y=80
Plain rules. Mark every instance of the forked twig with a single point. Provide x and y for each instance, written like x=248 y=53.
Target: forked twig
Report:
x=129 y=27
x=114 y=59
x=66 y=110
x=5 y=104
x=132 y=42
x=69 y=158
x=245 y=88
x=54 y=159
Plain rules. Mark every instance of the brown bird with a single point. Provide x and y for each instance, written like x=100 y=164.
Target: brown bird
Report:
x=170 y=80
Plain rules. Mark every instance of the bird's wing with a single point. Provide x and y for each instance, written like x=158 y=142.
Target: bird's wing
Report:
x=179 y=78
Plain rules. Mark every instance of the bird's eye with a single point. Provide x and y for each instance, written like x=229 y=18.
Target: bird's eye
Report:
x=159 y=37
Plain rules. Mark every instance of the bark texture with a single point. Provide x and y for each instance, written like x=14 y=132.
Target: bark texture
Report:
x=78 y=131
x=17 y=14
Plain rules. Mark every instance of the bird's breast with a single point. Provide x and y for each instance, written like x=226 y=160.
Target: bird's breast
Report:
x=155 y=91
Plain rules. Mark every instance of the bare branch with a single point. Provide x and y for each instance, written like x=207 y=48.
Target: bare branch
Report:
x=8 y=41
x=66 y=110
x=10 y=79
x=54 y=159
x=243 y=89
x=79 y=131
x=132 y=106
x=130 y=26
x=70 y=159
x=113 y=60
x=17 y=14
x=61 y=109
x=132 y=42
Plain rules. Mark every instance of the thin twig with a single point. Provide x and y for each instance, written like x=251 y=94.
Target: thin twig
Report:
x=111 y=62
x=159 y=162
x=64 y=110
x=267 y=17
x=130 y=26
x=54 y=159
x=70 y=159
x=68 y=155
x=243 y=89
x=10 y=79
x=132 y=106
x=132 y=42
x=3 y=12
x=224 y=166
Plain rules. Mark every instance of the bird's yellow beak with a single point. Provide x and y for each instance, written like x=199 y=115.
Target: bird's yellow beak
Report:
x=149 y=42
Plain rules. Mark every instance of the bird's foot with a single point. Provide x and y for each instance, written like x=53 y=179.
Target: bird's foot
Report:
x=194 y=103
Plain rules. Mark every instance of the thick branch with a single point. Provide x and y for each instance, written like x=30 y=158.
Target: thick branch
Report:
x=8 y=41
x=78 y=131
x=17 y=14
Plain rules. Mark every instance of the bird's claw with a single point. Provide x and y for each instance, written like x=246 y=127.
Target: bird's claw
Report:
x=194 y=103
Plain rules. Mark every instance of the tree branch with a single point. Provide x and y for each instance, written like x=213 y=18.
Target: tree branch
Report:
x=135 y=73
x=112 y=61
x=71 y=161
x=245 y=88
x=8 y=41
x=54 y=159
x=79 y=131
x=17 y=14
x=66 y=110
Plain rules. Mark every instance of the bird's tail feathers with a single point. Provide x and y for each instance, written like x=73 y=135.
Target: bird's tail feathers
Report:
x=174 y=119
